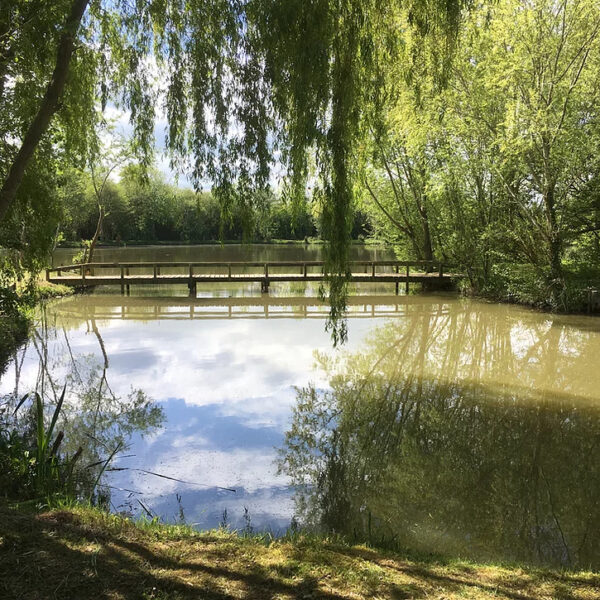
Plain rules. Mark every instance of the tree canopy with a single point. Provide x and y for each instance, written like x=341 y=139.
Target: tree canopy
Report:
x=498 y=172
x=241 y=82
x=476 y=145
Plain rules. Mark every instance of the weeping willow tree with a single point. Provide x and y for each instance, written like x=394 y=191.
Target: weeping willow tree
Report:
x=242 y=83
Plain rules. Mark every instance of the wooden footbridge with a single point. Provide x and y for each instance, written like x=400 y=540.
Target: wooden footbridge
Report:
x=86 y=275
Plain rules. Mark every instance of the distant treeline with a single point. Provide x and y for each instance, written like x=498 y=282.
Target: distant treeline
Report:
x=154 y=210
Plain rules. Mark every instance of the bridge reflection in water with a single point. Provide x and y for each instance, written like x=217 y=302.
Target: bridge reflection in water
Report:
x=263 y=307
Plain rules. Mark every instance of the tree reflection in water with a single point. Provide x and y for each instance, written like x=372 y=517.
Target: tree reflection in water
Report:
x=457 y=430
x=93 y=417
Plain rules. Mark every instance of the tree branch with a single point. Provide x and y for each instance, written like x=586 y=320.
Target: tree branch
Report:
x=48 y=106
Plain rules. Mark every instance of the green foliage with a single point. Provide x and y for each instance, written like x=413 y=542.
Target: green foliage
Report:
x=16 y=300
x=150 y=210
x=497 y=171
x=42 y=464
x=477 y=146
x=246 y=83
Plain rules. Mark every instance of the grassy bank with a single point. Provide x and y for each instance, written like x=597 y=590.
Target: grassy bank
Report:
x=46 y=290
x=83 y=553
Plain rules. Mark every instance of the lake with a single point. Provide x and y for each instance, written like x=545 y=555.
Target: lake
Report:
x=444 y=424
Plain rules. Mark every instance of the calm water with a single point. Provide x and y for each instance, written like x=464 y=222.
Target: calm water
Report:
x=444 y=424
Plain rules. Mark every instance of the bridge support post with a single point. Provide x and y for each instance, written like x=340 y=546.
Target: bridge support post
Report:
x=264 y=284
x=127 y=286
x=191 y=282
x=122 y=281
x=407 y=276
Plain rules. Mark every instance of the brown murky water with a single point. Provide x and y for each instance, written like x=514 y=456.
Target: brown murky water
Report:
x=460 y=427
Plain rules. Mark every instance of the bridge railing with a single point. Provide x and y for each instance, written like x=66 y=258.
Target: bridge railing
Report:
x=233 y=268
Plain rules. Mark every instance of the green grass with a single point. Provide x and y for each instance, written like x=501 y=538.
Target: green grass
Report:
x=31 y=466
x=46 y=290
x=82 y=553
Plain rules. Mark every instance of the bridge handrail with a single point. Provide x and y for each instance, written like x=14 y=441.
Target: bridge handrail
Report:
x=238 y=264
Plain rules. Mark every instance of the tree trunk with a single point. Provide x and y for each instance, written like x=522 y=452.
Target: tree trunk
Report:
x=96 y=234
x=48 y=106
x=554 y=246
x=427 y=244
x=419 y=192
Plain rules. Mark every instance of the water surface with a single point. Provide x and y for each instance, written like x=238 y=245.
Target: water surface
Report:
x=445 y=424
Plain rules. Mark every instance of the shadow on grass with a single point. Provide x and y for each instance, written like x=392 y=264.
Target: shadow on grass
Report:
x=62 y=558
x=62 y=555
x=522 y=585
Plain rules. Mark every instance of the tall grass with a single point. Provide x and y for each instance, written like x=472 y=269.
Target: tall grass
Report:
x=32 y=468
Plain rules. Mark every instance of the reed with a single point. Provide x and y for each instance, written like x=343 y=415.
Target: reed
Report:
x=32 y=467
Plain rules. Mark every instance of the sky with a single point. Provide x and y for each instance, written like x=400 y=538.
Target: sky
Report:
x=120 y=120
x=122 y=127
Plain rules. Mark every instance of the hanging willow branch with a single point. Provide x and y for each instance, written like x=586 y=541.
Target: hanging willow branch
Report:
x=243 y=82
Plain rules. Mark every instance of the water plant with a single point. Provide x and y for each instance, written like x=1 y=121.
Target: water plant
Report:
x=32 y=467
